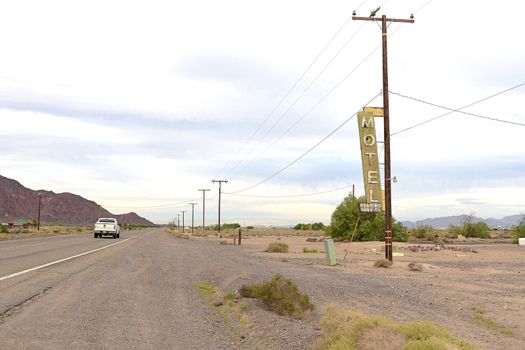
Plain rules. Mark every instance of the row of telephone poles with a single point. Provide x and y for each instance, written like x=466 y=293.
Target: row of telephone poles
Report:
x=203 y=190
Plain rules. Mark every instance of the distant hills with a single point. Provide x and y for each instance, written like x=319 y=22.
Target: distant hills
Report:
x=446 y=221
x=19 y=202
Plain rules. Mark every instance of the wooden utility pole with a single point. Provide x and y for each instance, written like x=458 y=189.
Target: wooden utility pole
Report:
x=204 y=206
x=388 y=191
x=220 y=191
x=183 y=211
x=192 y=216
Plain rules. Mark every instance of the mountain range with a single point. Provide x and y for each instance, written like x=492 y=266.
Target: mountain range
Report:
x=447 y=221
x=18 y=202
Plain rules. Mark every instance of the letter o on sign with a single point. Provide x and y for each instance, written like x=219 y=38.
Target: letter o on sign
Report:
x=369 y=140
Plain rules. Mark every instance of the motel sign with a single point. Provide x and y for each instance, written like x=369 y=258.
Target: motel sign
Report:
x=369 y=155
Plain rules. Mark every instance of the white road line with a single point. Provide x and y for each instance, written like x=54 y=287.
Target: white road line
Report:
x=62 y=260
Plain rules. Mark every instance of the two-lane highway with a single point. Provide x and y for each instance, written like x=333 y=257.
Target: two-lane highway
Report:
x=132 y=295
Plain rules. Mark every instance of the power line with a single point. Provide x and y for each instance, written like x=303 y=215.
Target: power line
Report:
x=291 y=195
x=166 y=205
x=289 y=91
x=422 y=7
x=454 y=110
x=316 y=105
x=305 y=153
x=458 y=109
x=268 y=131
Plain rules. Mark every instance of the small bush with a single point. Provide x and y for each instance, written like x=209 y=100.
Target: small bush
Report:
x=279 y=295
x=3 y=229
x=223 y=242
x=423 y=231
x=481 y=316
x=477 y=230
x=311 y=239
x=277 y=247
x=518 y=232
x=310 y=250
x=383 y=263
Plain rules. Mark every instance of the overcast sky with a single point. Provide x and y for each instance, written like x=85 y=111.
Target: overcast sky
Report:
x=138 y=104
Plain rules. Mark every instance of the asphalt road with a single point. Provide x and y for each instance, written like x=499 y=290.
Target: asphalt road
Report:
x=132 y=295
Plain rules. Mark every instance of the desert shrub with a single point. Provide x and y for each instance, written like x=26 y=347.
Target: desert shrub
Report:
x=316 y=226
x=280 y=295
x=518 y=232
x=310 y=250
x=311 y=239
x=347 y=329
x=277 y=247
x=471 y=229
x=477 y=230
x=371 y=227
x=423 y=231
x=383 y=263
x=3 y=229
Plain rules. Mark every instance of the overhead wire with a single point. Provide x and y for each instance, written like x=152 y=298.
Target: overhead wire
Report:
x=305 y=153
x=252 y=135
x=297 y=100
x=166 y=205
x=291 y=195
x=292 y=126
x=457 y=109
x=294 y=103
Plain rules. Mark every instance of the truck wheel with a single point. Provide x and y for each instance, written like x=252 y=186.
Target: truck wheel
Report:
x=95 y=235
x=118 y=235
x=114 y=236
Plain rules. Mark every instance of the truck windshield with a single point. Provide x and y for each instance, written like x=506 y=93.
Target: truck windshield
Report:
x=106 y=220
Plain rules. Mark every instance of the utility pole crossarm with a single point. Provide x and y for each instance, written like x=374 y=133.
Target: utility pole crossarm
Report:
x=379 y=19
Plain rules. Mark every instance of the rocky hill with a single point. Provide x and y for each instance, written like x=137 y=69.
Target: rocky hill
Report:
x=19 y=202
x=458 y=220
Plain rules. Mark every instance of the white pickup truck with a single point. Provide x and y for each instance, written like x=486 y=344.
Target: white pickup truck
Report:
x=107 y=226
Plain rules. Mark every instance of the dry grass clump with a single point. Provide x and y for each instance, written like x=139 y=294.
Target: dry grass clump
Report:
x=277 y=247
x=415 y=267
x=481 y=316
x=280 y=295
x=310 y=250
x=383 y=263
x=347 y=329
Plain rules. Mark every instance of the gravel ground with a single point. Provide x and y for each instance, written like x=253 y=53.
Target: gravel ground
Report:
x=143 y=294
x=446 y=291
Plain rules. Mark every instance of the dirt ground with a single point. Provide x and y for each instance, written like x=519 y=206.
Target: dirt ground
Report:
x=475 y=290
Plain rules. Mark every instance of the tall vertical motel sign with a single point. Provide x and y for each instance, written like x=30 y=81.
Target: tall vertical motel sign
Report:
x=369 y=158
